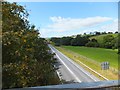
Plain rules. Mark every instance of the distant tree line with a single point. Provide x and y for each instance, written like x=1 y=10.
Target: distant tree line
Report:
x=109 y=41
x=100 y=33
x=78 y=41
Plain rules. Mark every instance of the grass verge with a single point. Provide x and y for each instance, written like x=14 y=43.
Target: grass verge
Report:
x=111 y=74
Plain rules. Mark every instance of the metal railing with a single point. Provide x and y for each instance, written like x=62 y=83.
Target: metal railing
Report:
x=100 y=85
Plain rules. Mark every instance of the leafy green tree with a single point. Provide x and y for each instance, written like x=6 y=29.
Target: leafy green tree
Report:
x=97 y=33
x=56 y=41
x=79 y=41
x=92 y=43
x=118 y=44
x=107 y=41
x=115 y=43
x=26 y=60
x=66 y=40
x=74 y=42
x=104 y=32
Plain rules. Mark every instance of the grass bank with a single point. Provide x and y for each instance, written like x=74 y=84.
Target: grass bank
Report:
x=97 y=54
x=92 y=57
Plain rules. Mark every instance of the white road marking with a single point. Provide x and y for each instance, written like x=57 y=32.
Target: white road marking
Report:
x=67 y=67
x=77 y=66
x=58 y=73
x=85 y=66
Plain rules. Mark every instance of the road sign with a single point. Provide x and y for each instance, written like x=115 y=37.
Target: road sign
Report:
x=105 y=65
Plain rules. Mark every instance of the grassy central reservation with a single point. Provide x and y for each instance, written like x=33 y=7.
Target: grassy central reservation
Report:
x=93 y=57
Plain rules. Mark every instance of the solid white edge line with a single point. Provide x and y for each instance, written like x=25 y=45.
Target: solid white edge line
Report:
x=80 y=68
x=67 y=67
x=76 y=65
x=87 y=67
x=84 y=65
x=58 y=73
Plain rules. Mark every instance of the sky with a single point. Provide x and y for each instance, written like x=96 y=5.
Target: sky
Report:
x=58 y=19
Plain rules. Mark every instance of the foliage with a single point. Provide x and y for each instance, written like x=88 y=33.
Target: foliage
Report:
x=92 y=43
x=26 y=57
x=57 y=44
x=77 y=41
x=100 y=38
x=80 y=41
x=118 y=44
x=74 y=42
x=108 y=41
x=55 y=40
x=66 y=40
x=97 y=33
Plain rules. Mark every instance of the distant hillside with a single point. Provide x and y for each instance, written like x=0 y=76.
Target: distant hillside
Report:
x=99 y=38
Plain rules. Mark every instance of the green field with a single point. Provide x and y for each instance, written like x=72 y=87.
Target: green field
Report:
x=96 y=54
x=99 y=38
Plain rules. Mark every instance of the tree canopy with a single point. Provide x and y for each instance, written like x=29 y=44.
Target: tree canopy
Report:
x=108 y=40
x=26 y=58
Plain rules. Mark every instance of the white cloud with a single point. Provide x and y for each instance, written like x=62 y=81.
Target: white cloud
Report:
x=64 y=24
x=60 y=24
x=110 y=27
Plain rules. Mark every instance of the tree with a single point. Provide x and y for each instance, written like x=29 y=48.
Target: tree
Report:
x=107 y=41
x=97 y=33
x=110 y=32
x=85 y=34
x=79 y=41
x=115 y=43
x=104 y=32
x=66 y=40
x=74 y=42
x=26 y=60
x=92 y=43
x=118 y=44
x=116 y=32
x=56 y=41
x=93 y=40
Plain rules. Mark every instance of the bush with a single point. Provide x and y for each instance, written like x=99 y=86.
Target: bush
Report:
x=92 y=44
x=108 y=41
x=57 y=44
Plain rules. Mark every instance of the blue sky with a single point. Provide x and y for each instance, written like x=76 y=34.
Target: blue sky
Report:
x=71 y=18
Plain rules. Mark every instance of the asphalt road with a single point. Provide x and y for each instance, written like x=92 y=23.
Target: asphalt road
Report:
x=69 y=70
